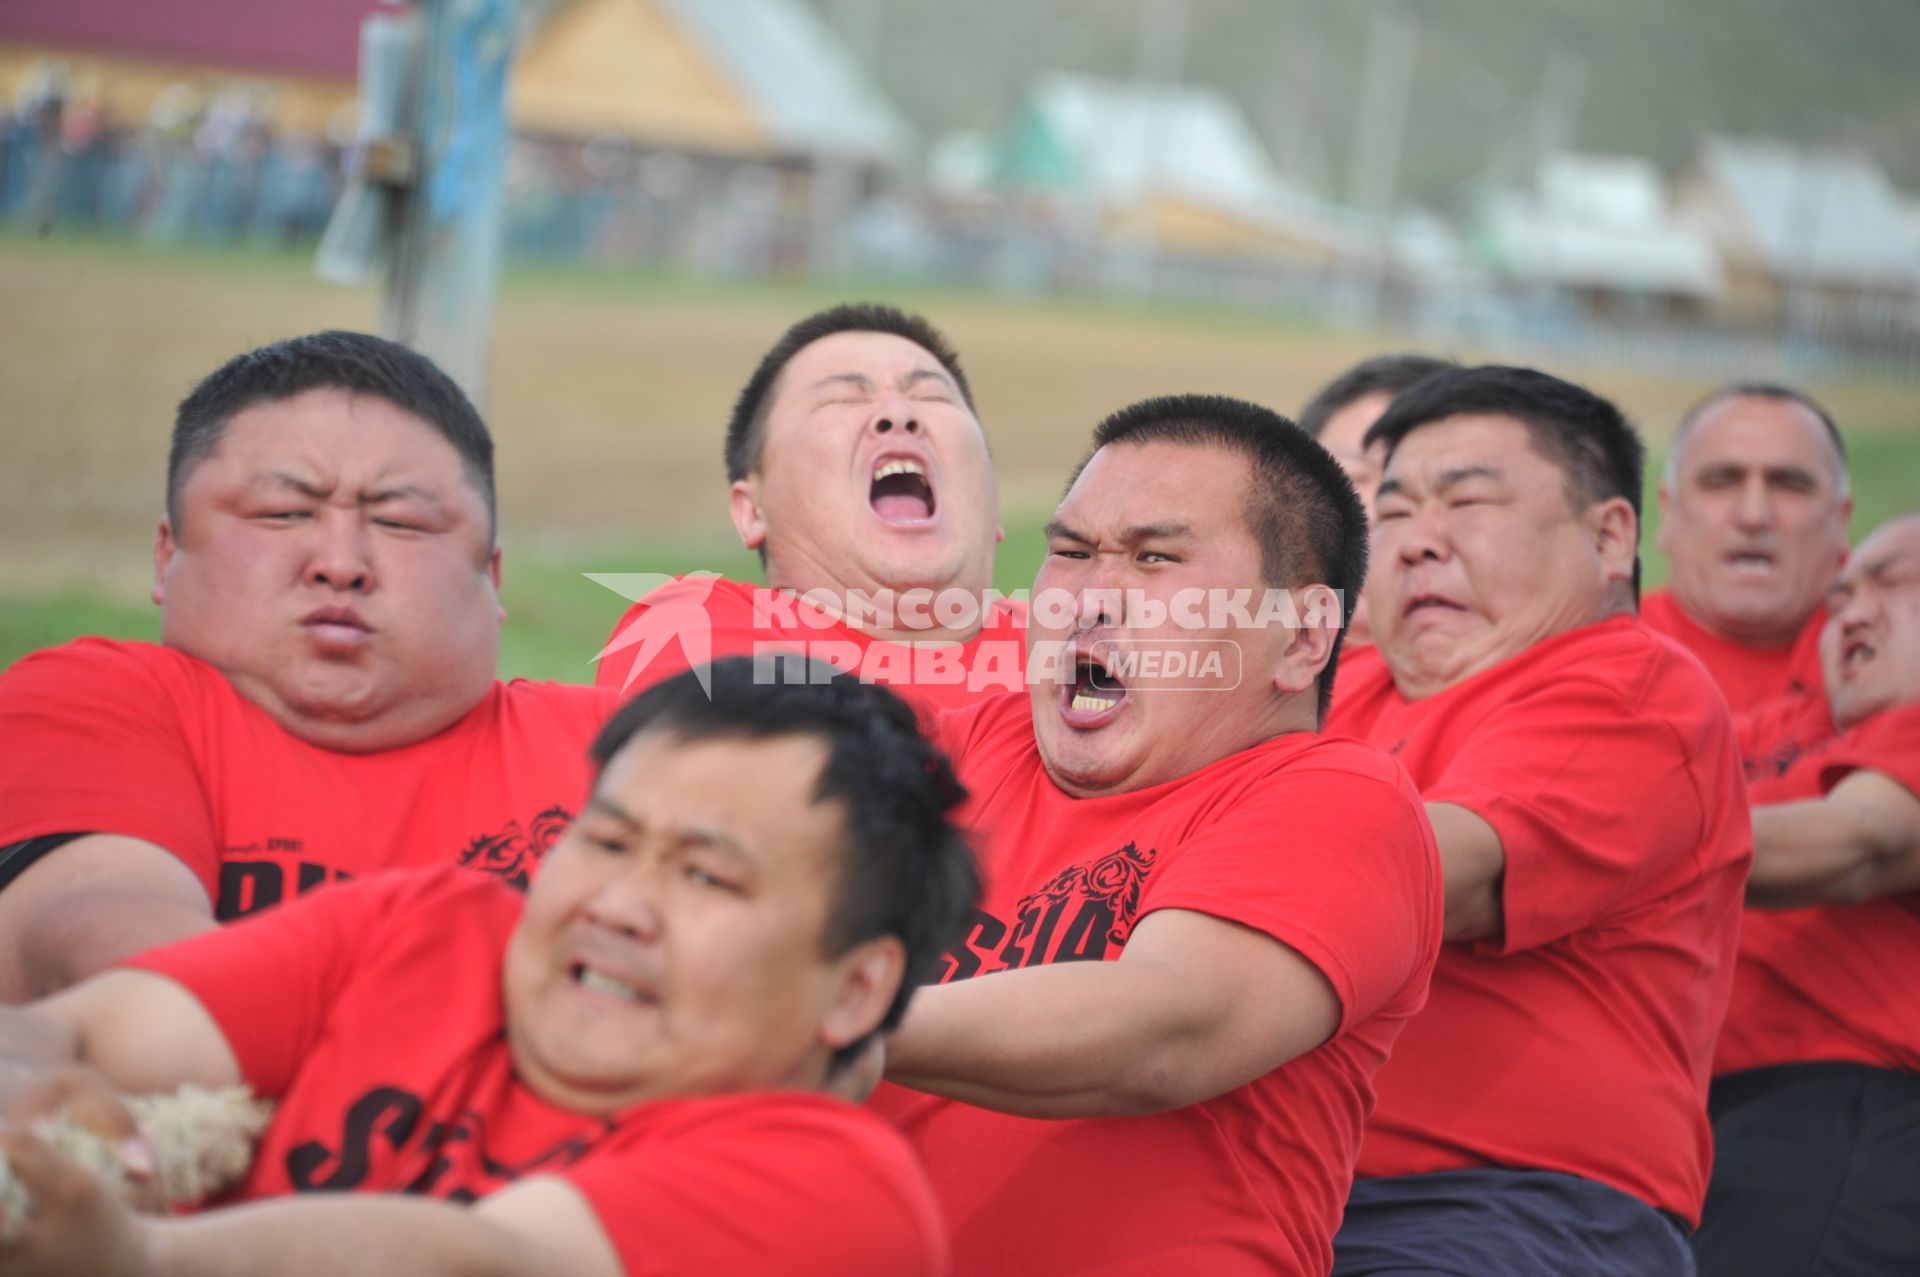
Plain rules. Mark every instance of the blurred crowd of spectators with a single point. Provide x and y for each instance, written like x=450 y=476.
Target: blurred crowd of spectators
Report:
x=197 y=169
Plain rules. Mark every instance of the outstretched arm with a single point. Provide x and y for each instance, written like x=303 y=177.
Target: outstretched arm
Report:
x=88 y=903
x=1194 y=1007
x=139 y=1031
x=1472 y=865
x=1860 y=842
x=538 y=1228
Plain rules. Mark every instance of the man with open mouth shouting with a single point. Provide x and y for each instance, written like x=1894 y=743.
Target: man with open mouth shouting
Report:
x=860 y=474
x=1204 y=922
x=1816 y=1098
x=1547 y=1111
x=1754 y=507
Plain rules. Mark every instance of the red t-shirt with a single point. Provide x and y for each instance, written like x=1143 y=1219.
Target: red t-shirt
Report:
x=1775 y=736
x=1829 y=982
x=790 y=1183
x=1354 y=669
x=133 y=739
x=695 y=620
x=1748 y=676
x=1321 y=844
x=1579 y=1040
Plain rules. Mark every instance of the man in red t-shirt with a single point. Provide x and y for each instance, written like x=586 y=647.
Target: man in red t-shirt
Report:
x=324 y=702
x=1340 y=415
x=1753 y=520
x=1816 y=1099
x=622 y=1071
x=861 y=475
x=1547 y=1111
x=1204 y=922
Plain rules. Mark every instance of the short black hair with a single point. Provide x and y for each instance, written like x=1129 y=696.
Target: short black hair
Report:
x=908 y=871
x=358 y=363
x=747 y=428
x=1389 y=374
x=1761 y=390
x=1596 y=448
x=1301 y=508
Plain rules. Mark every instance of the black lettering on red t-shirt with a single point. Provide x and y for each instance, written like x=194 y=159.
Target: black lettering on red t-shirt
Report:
x=385 y=1112
x=1103 y=896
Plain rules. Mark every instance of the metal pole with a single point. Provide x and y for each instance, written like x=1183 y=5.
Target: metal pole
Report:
x=446 y=256
x=1385 y=84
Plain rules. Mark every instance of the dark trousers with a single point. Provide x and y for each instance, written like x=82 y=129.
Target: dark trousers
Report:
x=1816 y=1173
x=1502 y=1223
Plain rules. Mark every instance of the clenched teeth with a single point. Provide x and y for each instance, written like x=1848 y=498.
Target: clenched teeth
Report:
x=596 y=982
x=1092 y=704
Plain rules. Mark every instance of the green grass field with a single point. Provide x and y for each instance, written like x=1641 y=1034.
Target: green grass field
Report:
x=557 y=618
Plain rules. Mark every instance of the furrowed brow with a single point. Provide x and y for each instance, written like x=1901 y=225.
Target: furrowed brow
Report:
x=287 y=479
x=1157 y=532
x=1885 y=566
x=719 y=841
x=855 y=380
x=1461 y=474
x=401 y=492
x=1058 y=531
x=918 y=375
x=610 y=809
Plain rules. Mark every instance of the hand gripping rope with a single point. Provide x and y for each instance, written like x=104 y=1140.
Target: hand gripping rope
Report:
x=202 y=1143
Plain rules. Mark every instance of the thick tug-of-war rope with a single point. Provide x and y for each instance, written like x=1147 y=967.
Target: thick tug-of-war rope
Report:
x=202 y=1143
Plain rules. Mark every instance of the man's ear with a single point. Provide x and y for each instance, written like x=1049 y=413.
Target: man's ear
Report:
x=494 y=561
x=164 y=548
x=1310 y=643
x=743 y=504
x=1665 y=502
x=1616 y=536
x=866 y=977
